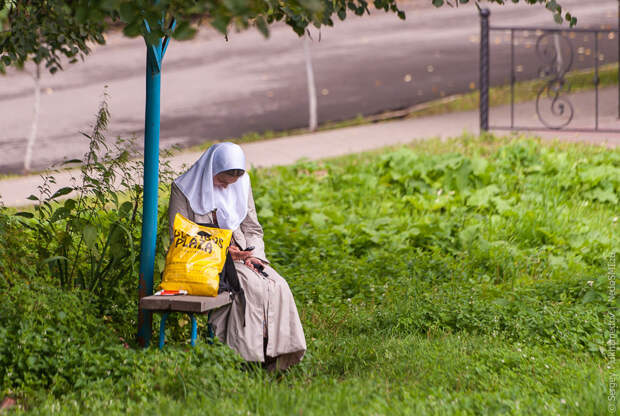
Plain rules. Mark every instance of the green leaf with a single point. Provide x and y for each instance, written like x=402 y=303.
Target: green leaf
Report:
x=70 y=161
x=261 y=24
x=25 y=214
x=501 y=204
x=481 y=197
x=557 y=261
x=128 y=12
x=469 y=234
x=266 y=213
x=31 y=361
x=133 y=29
x=62 y=191
x=81 y=13
x=479 y=165
x=61 y=212
x=501 y=302
x=70 y=204
x=109 y=5
x=161 y=263
x=438 y=3
x=220 y=22
x=90 y=235
x=318 y=219
x=55 y=258
x=125 y=209
x=590 y=296
x=602 y=195
x=183 y=31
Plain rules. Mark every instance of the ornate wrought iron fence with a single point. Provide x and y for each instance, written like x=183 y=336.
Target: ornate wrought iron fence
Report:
x=555 y=52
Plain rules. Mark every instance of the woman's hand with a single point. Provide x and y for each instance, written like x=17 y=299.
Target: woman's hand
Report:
x=238 y=254
x=253 y=262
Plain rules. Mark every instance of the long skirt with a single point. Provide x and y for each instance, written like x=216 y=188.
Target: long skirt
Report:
x=270 y=316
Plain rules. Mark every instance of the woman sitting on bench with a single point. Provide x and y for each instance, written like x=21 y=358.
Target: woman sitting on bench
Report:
x=216 y=189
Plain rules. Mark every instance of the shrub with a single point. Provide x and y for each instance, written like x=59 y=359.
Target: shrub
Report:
x=53 y=340
x=15 y=256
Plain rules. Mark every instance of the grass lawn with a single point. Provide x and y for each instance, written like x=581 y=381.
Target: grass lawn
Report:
x=458 y=277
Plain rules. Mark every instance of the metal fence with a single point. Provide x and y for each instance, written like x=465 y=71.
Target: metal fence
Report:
x=555 y=52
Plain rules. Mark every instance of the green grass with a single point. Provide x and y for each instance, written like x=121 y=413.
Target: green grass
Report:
x=441 y=374
x=457 y=277
x=581 y=80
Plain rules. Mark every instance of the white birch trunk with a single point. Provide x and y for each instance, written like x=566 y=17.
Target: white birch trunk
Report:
x=312 y=124
x=35 y=117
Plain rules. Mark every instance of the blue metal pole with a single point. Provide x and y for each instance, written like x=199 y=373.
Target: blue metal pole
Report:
x=194 y=329
x=151 y=183
x=162 y=330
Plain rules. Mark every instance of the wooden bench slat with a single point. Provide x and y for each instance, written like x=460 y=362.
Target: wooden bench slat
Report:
x=187 y=303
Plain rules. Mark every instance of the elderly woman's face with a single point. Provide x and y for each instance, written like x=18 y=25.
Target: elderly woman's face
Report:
x=223 y=179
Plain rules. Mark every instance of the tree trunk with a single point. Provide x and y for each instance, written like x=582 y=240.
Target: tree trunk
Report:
x=558 y=52
x=35 y=117
x=312 y=124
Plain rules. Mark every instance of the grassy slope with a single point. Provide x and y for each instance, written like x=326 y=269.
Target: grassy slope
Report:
x=451 y=279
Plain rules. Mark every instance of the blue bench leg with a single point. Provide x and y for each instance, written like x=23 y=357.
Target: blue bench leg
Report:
x=194 y=329
x=162 y=330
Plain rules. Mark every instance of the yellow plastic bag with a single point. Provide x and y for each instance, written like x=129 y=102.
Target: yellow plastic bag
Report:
x=195 y=258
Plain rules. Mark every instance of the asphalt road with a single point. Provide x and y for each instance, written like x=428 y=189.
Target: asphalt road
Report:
x=213 y=89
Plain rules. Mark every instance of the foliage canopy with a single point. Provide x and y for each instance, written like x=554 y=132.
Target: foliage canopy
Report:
x=47 y=30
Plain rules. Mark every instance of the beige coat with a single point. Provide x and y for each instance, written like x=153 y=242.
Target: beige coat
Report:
x=270 y=308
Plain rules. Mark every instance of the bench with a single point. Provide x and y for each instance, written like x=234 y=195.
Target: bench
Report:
x=191 y=305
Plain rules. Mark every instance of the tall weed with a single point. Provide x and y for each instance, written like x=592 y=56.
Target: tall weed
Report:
x=87 y=235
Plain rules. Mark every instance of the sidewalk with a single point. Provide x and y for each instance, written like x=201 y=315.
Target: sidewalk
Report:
x=332 y=143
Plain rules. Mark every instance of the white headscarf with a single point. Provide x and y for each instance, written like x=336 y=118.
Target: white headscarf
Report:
x=197 y=185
